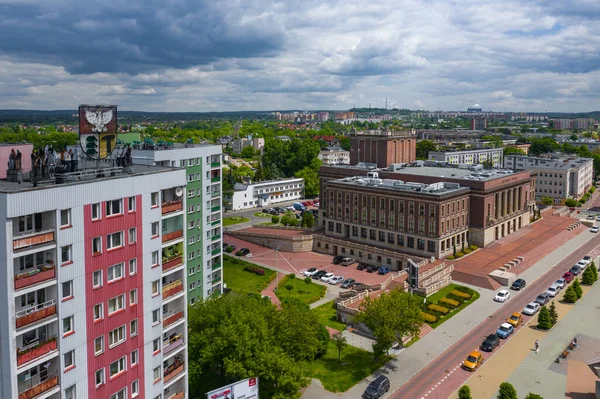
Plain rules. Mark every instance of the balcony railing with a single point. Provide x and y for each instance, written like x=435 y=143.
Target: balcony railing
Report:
x=216 y=279
x=215 y=266
x=171 y=289
x=173 y=371
x=34 y=351
x=35 y=313
x=215 y=194
x=172 y=206
x=215 y=208
x=172 y=263
x=215 y=164
x=216 y=251
x=174 y=342
x=215 y=222
x=215 y=179
x=167 y=321
x=178 y=395
x=215 y=237
x=32 y=239
x=35 y=386
x=174 y=235
x=35 y=276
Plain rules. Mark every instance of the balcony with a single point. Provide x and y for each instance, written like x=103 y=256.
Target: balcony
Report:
x=216 y=279
x=174 y=235
x=215 y=266
x=34 y=351
x=215 y=194
x=172 y=206
x=173 y=370
x=215 y=164
x=215 y=179
x=216 y=251
x=33 y=239
x=172 y=318
x=35 y=313
x=37 y=385
x=35 y=276
x=216 y=237
x=175 y=341
x=215 y=222
x=172 y=229
x=172 y=263
x=215 y=208
x=171 y=289
x=178 y=395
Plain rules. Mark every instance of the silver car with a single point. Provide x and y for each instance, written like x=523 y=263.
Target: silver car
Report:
x=531 y=308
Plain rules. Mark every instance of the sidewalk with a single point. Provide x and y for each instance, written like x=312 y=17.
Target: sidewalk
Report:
x=413 y=359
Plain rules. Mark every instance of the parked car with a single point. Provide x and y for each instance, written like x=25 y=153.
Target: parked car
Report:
x=310 y=271
x=595 y=229
x=502 y=296
x=560 y=283
x=531 y=308
x=307 y=203
x=542 y=299
x=280 y=209
x=335 y=280
x=318 y=274
x=326 y=276
x=377 y=388
x=243 y=252
x=272 y=211
x=299 y=207
x=588 y=258
x=575 y=270
x=337 y=259
x=598 y=217
x=583 y=264
x=504 y=330
x=347 y=261
x=473 y=361
x=568 y=276
x=518 y=285
x=289 y=208
x=552 y=290
x=515 y=319
x=590 y=217
x=362 y=266
x=372 y=269
x=384 y=270
x=490 y=343
x=348 y=283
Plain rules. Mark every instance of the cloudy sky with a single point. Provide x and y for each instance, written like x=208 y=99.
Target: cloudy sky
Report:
x=224 y=55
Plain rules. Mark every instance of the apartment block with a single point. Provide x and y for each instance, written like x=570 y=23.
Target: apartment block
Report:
x=265 y=193
x=470 y=157
x=334 y=156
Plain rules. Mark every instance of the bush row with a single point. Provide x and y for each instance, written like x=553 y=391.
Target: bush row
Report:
x=429 y=318
x=255 y=270
x=449 y=303
x=438 y=308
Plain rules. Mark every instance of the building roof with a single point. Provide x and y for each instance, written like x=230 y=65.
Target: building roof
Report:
x=242 y=186
x=552 y=162
x=373 y=182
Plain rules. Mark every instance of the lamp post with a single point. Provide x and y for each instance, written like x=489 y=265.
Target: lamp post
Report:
x=276 y=269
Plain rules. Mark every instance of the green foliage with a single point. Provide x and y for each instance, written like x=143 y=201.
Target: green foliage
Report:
x=553 y=313
x=247 y=152
x=464 y=392
x=428 y=318
x=588 y=276
x=294 y=222
x=285 y=220
x=300 y=290
x=571 y=203
x=288 y=156
x=424 y=147
x=324 y=339
x=507 y=391
x=533 y=396
x=345 y=143
x=577 y=288
x=547 y=201
x=473 y=247
x=439 y=309
x=234 y=220
x=275 y=219
x=451 y=257
x=340 y=343
x=242 y=282
x=592 y=189
x=390 y=317
x=448 y=302
x=47 y=136
x=595 y=270
x=308 y=220
x=570 y=295
x=543 y=145
x=310 y=174
x=327 y=315
x=513 y=151
x=544 y=321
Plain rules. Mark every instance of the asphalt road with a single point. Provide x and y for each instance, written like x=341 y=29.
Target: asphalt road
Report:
x=444 y=372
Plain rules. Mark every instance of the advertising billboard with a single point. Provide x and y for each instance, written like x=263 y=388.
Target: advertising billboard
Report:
x=97 y=130
x=245 y=389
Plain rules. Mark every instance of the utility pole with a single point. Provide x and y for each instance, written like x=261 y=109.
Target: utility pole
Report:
x=276 y=269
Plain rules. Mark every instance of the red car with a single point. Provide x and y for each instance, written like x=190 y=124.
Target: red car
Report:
x=568 y=276
x=307 y=203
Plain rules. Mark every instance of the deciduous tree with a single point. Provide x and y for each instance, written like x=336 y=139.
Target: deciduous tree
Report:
x=340 y=343
x=424 y=147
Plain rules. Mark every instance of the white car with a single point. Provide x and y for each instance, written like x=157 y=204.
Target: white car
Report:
x=502 y=296
x=289 y=208
x=336 y=280
x=310 y=272
x=583 y=264
x=552 y=290
x=595 y=229
x=531 y=308
x=587 y=259
x=560 y=283
x=326 y=277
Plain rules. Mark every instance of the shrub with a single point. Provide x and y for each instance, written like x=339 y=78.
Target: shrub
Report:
x=449 y=302
x=588 y=276
x=255 y=270
x=544 y=320
x=571 y=203
x=473 y=247
x=294 y=222
x=291 y=276
x=451 y=257
x=289 y=287
x=456 y=298
x=577 y=288
x=440 y=309
x=429 y=318
x=275 y=219
x=467 y=251
x=459 y=254
x=229 y=250
x=570 y=295
x=464 y=392
x=592 y=189
x=553 y=313
x=461 y=294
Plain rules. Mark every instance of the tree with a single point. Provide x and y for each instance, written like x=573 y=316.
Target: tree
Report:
x=571 y=203
x=308 y=219
x=593 y=267
x=274 y=219
x=307 y=281
x=340 y=343
x=390 y=317
x=345 y=143
x=507 y=391
x=424 y=147
x=464 y=392
x=247 y=152
x=533 y=396
x=285 y=219
x=570 y=295
x=553 y=313
x=574 y=137
x=513 y=151
x=310 y=174
x=588 y=276
x=542 y=145
x=547 y=201
x=544 y=321
x=294 y=222
x=577 y=288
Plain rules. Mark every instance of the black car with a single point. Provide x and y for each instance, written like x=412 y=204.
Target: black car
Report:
x=319 y=274
x=348 y=283
x=242 y=252
x=280 y=210
x=518 y=285
x=372 y=269
x=337 y=259
x=491 y=342
x=362 y=266
x=576 y=270
x=377 y=388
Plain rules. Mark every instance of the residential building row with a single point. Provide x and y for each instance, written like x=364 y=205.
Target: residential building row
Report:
x=266 y=193
x=492 y=156
x=334 y=156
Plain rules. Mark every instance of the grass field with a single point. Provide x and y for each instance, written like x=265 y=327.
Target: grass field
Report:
x=234 y=220
x=300 y=290
x=242 y=281
x=327 y=316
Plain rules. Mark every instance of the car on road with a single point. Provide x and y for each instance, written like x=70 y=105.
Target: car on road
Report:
x=473 y=361
x=372 y=269
x=552 y=291
x=542 y=299
x=595 y=229
x=348 y=283
x=326 y=276
x=337 y=259
x=505 y=330
x=568 y=276
x=531 y=308
x=560 y=283
x=384 y=270
x=377 y=388
x=518 y=285
x=243 y=252
x=490 y=343
x=502 y=296
x=515 y=319
x=272 y=211
x=335 y=280
x=307 y=203
x=319 y=274
x=310 y=271
x=362 y=266
x=575 y=270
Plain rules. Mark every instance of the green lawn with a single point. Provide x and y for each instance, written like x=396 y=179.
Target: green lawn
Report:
x=242 y=281
x=262 y=215
x=443 y=293
x=327 y=316
x=356 y=364
x=234 y=220
x=307 y=294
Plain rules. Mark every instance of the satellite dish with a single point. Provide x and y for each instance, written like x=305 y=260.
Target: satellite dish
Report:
x=179 y=191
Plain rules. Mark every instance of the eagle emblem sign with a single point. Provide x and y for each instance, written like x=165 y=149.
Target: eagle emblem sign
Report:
x=97 y=130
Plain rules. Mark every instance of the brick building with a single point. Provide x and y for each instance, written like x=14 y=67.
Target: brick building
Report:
x=383 y=148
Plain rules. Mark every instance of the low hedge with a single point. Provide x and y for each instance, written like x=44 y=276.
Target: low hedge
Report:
x=451 y=303
x=459 y=254
x=456 y=298
x=473 y=247
x=438 y=308
x=451 y=257
x=464 y=289
x=467 y=251
x=229 y=249
x=255 y=270
x=429 y=318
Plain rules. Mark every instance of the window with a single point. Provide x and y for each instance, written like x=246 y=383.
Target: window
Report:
x=132 y=235
x=191 y=224
x=155 y=258
x=190 y=177
x=96 y=212
x=193 y=285
x=98 y=311
x=116 y=336
x=133 y=328
x=154 y=199
x=131 y=204
x=115 y=272
x=155 y=317
x=134 y=357
x=117 y=367
x=67 y=289
x=99 y=345
x=96 y=245
x=155 y=287
x=65 y=218
x=192 y=240
x=100 y=377
x=135 y=388
x=155 y=231
x=115 y=304
x=157 y=374
x=156 y=345
x=132 y=266
x=70 y=392
x=114 y=207
x=65 y=254
x=192 y=270
x=114 y=240
x=69 y=359
x=133 y=297
x=97 y=279
x=67 y=325
x=122 y=394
